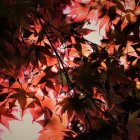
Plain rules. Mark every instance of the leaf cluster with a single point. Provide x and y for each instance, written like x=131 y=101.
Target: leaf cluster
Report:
x=72 y=87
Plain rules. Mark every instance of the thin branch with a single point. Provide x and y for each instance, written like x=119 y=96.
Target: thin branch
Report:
x=65 y=72
x=56 y=53
x=83 y=110
x=62 y=32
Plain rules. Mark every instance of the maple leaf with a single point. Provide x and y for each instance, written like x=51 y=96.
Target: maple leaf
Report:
x=53 y=128
x=36 y=113
x=70 y=104
x=47 y=65
x=6 y=116
x=20 y=96
x=26 y=7
x=76 y=12
x=57 y=135
x=129 y=50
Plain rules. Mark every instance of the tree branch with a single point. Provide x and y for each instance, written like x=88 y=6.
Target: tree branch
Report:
x=56 y=53
x=70 y=84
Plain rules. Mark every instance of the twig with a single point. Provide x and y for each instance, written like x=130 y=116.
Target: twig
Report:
x=65 y=72
x=62 y=32
x=56 y=53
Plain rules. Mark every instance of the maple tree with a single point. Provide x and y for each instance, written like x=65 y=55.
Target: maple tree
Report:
x=79 y=89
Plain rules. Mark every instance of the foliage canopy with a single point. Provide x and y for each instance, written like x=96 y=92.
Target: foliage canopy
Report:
x=83 y=90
